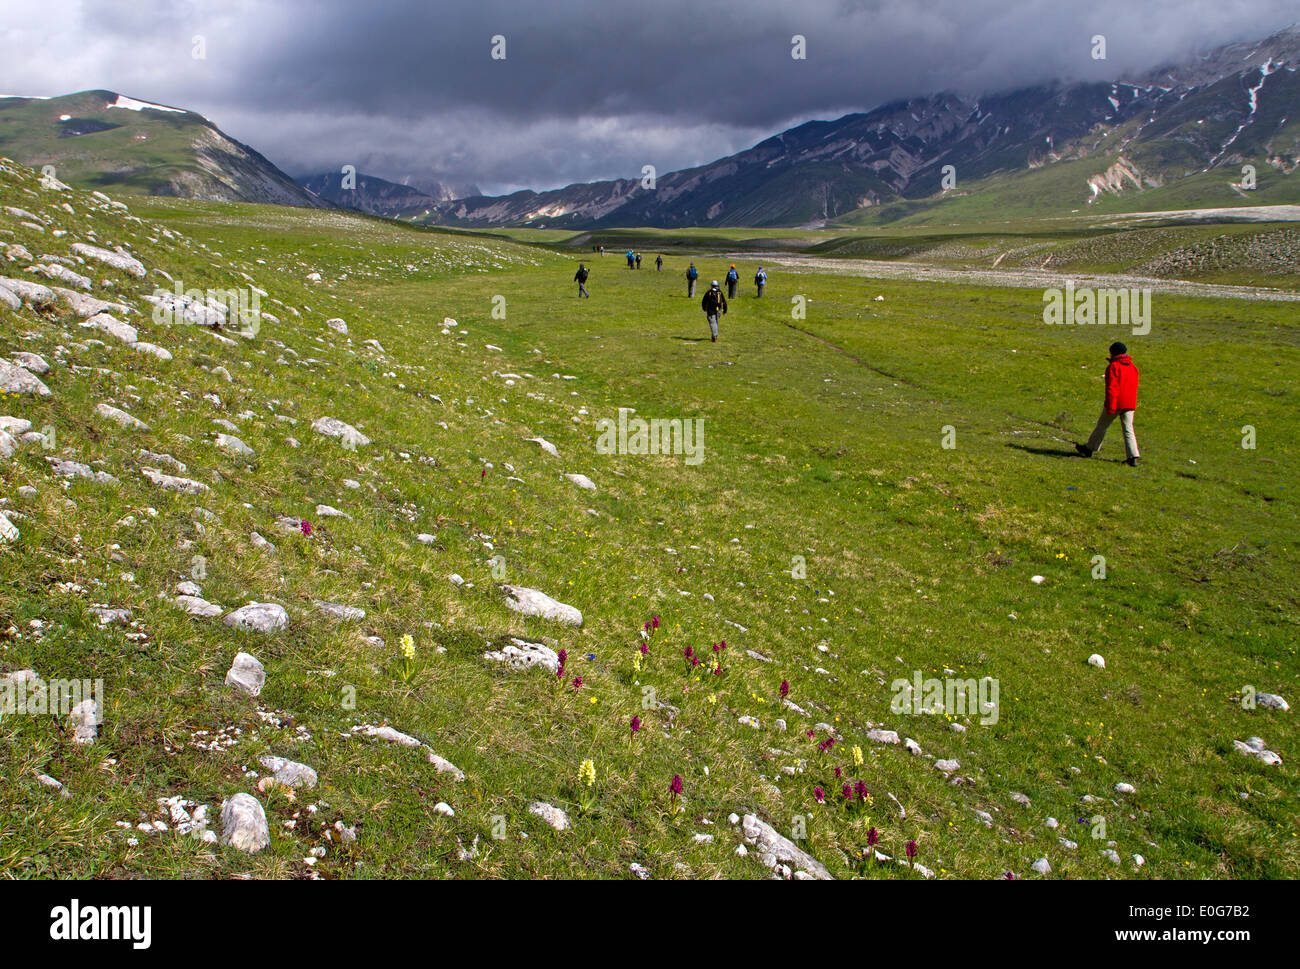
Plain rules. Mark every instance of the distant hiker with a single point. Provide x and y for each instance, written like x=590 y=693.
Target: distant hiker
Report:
x=638 y=260
x=602 y=250
x=659 y=263
x=631 y=258
x=733 y=280
x=692 y=275
x=1121 y=399
x=714 y=305
x=581 y=278
x=760 y=279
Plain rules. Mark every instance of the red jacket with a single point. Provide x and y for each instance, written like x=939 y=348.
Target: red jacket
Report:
x=1121 y=384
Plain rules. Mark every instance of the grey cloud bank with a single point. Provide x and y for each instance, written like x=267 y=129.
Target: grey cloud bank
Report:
x=587 y=90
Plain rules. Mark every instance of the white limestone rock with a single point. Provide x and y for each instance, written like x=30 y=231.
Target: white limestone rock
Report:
x=545 y=445
x=290 y=773
x=228 y=442
x=85 y=721
x=340 y=612
x=31 y=362
x=119 y=416
x=243 y=824
x=522 y=655
x=552 y=815
x=246 y=674
x=259 y=617
x=116 y=260
x=198 y=606
x=332 y=427
x=152 y=349
x=16 y=380
x=169 y=482
x=531 y=602
x=774 y=849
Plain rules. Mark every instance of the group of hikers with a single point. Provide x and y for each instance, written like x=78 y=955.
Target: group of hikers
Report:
x=714 y=303
x=1121 y=374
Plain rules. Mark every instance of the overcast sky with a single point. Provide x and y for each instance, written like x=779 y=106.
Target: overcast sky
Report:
x=587 y=89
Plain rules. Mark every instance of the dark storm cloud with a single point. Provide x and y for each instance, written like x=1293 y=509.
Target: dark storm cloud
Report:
x=587 y=89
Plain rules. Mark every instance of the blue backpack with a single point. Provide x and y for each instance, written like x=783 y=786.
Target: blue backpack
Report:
x=692 y=273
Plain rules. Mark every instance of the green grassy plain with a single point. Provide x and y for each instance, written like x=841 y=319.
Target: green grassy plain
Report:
x=824 y=443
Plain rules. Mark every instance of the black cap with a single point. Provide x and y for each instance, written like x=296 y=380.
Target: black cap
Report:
x=1118 y=349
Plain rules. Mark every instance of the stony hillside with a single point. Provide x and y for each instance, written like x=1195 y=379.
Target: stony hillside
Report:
x=366 y=600
x=104 y=140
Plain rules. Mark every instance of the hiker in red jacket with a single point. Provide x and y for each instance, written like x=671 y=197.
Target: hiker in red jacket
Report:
x=1121 y=400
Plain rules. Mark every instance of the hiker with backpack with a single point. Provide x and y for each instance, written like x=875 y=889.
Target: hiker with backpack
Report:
x=631 y=258
x=714 y=305
x=733 y=280
x=638 y=260
x=1121 y=402
x=760 y=280
x=692 y=274
x=580 y=277
x=659 y=264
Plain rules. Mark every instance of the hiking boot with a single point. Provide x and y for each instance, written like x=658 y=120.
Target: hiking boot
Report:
x=1131 y=462
x=1083 y=450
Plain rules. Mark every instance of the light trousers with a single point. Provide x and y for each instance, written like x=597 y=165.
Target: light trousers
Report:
x=1125 y=422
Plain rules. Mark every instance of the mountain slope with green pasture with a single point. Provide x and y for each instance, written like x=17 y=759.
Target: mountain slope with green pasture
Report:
x=829 y=537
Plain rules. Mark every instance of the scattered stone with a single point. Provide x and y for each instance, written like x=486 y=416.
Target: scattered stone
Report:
x=445 y=809
x=545 y=445
x=49 y=781
x=246 y=674
x=259 y=617
x=152 y=349
x=1096 y=660
x=524 y=655
x=74 y=469
x=337 y=325
x=1042 y=866
x=883 y=736
x=116 y=260
x=16 y=380
x=1271 y=701
x=947 y=766
x=1124 y=788
x=168 y=482
x=290 y=773
x=331 y=427
x=343 y=613
x=243 y=824
x=553 y=816
x=118 y=416
x=113 y=327
x=1254 y=747
x=84 y=720
x=406 y=740
x=775 y=849
x=234 y=445
x=582 y=481
x=198 y=606
x=531 y=602
x=31 y=362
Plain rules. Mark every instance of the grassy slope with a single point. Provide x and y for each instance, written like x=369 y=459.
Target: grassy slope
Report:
x=917 y=557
